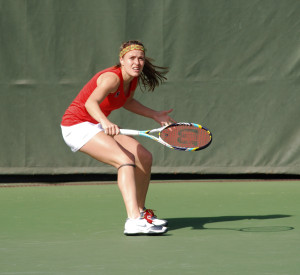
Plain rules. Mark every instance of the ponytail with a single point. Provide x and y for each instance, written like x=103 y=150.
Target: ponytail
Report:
x=152 y=75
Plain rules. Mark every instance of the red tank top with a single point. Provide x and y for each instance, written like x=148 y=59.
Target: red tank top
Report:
x=77 y=113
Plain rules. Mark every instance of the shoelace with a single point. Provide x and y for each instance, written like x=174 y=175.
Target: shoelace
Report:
x=148 y=215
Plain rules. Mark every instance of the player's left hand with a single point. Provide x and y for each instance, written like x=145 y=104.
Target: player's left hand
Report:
x=163 y=118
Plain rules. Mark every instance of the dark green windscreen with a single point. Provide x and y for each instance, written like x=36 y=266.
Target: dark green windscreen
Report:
x=234 y=68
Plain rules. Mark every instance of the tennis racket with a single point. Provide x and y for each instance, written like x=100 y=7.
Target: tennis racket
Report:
x=180 y=136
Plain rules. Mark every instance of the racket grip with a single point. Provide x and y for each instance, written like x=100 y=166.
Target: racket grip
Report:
x=129 y=132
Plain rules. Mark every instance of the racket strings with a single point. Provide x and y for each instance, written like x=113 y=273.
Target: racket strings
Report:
x=185 y=136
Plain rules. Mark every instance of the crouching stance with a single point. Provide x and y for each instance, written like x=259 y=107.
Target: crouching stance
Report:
x=86 y=128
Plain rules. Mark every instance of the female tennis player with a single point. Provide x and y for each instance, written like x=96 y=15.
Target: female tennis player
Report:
x=87 y=128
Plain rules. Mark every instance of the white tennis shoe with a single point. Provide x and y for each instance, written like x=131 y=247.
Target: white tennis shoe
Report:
x=140 y=226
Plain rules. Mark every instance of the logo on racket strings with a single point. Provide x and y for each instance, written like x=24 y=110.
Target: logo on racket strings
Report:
x=188 y=136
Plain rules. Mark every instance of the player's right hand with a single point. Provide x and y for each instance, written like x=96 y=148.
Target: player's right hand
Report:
x=110 y=128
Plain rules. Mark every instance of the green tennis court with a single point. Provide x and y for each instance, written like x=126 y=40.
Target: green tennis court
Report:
x=215 y=227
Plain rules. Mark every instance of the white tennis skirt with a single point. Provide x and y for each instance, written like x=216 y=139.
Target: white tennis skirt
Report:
x=78 y=135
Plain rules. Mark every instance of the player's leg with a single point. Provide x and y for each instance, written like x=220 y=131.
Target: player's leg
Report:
x=143 y=161
x=105 y=149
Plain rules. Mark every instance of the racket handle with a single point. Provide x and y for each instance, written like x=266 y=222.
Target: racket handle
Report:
x=129 y=132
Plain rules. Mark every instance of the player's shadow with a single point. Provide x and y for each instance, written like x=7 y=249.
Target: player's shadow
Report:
x=200 y=222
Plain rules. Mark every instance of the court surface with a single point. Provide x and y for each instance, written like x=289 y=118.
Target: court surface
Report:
x=215 y=227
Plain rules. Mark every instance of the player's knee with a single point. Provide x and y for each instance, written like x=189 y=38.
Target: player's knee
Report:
x=146 y=158
x=126 y=159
